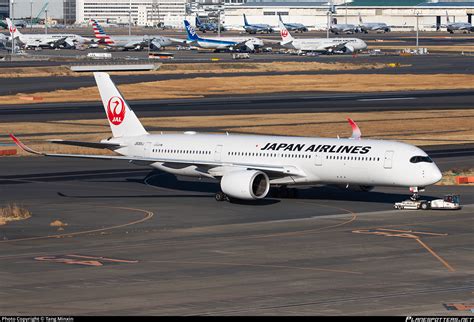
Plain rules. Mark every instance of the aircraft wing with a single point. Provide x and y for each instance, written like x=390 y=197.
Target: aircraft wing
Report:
x=155 y=44
x=180 y=41
x=69 y=42
x=135 y=43
x=270 y=41
x=58 y=42
x=96 y=145
x=335 y=47
x=278 y=170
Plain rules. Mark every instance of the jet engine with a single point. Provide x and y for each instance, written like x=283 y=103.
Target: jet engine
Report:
x=245 y=184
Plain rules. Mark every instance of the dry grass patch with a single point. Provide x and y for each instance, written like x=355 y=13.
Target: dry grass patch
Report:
x=13 y=212
x=187 y=88
x=449 y=177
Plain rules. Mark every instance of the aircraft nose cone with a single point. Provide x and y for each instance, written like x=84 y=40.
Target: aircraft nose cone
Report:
x=436 y=175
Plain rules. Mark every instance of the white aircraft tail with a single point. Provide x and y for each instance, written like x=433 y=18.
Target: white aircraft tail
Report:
x=122 y=119
x=285 y=34
x=13 y=29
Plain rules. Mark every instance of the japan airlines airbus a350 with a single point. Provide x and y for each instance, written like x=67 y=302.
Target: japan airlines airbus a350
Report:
x=247 y=165
x=323 y=45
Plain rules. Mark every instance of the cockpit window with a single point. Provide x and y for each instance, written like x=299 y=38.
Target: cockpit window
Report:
x=417 y=159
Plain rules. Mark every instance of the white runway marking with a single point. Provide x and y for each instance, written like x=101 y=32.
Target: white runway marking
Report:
x=386 y=99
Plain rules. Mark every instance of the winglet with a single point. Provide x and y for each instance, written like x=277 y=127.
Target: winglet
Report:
x=23 y=146
x=356 y=133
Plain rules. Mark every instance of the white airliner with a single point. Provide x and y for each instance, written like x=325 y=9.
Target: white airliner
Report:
x=247 y=165
x=46 y=40
x=324 y=45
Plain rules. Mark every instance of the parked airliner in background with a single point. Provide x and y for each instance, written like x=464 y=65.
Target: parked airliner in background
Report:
x=46 y=40
x=247 y=165
x=365 y=27
x=451 y=27
x=254 y=28
x=221 y=43
x=323 y=45
x=343 y=28
x=208 y=26
x=131 y=42
x=296 y=27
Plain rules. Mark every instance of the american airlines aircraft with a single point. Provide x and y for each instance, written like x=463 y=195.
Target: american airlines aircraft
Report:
x=247 y=165
x=324 y=45
x=46 y=40
x=221 y=43
x=131 y=42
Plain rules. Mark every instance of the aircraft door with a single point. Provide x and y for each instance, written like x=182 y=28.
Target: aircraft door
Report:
x=387 y=163
x=318 y=159
x=217 y=153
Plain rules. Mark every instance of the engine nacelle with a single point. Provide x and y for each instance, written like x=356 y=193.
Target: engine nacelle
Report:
x=245 y=184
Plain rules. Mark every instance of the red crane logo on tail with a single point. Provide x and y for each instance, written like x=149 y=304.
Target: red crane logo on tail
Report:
x=284 y=33
x=116 y=110
x=12 y=29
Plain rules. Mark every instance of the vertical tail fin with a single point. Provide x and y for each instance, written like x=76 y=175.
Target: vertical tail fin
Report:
x=447 y=17
x=12 y=29
x=279 y=17
x=198 y=22
x=122 y=120
x=245 y=20
x=285 y=34
x=192 y=35
x=100 y=33
x=360 y=19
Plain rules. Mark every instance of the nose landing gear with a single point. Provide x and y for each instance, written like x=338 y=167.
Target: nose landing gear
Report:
x=414 y=190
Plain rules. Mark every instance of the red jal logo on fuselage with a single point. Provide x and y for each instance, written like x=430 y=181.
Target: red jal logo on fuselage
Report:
x=116 y=110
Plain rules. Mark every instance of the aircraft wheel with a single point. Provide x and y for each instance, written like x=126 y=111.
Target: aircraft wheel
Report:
x=220 y=196
x=424 y=206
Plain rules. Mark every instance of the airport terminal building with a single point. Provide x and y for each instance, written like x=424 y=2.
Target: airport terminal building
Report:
x=400 y=14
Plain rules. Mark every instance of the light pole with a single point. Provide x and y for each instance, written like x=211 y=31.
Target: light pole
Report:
x=64 y=12
x=417 y=31
x=130 y=18
x=328 y=26
x=219 y=23
x=46 y=21
x=14 y=27
x=31 y=14
x=345 y=3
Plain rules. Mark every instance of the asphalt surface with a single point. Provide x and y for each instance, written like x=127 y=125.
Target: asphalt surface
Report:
x=141 y=243
x=431 y=64
x=249 y=104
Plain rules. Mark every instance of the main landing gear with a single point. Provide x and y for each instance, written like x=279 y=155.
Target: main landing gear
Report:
x=220 y=196
x=285 y=192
